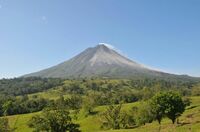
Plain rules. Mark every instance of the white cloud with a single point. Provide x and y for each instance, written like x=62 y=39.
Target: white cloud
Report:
x=113 y=48
x=108 y=45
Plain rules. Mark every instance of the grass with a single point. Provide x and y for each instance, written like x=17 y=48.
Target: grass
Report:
x=51 y=94
x=19 y=122
x=188 y=122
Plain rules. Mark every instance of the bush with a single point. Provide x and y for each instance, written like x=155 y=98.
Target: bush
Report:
x=168 y=104
x=114 y=118
x=54 y=120
x=143 y=114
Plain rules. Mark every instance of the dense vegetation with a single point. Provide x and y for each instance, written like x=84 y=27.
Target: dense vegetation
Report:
x=23 y=86
x=188 y=121
x=84 y=95
x=21 y=105
x=54 y=120
x=90 y=93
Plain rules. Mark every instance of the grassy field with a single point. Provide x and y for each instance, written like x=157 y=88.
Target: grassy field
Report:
x=188 y=122
x=51 y=94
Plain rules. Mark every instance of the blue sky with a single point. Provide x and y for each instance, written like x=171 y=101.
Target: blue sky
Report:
x=162 y=34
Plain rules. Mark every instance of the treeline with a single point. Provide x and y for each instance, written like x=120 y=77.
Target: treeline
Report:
x=60 y=116
x=105 y=92
x=164 y=104
x=11 y=105
x=85 y=93
x=23 y=86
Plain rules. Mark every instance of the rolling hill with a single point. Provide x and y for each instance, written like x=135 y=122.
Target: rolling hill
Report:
x=189 y=121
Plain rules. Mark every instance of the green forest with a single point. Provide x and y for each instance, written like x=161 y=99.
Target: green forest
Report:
x=60 y=105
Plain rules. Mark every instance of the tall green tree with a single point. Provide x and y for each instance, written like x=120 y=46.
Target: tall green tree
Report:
x=115 y=118
x=111 y=118
x=6 y=106
x=168 y=104
x=143 y=114
x=53 y=120
x=158 y=109
x=174 y=106
x=89 y=104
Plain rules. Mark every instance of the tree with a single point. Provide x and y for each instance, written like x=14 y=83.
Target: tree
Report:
x=53 y=120
x=4 y=123
x=147 y=93
x=94 y=86
x=6 y=106
x=168 y=104
x=114 y=118
x=174 y=106
x=60 y=102
x=196 y=90
x=143 y=114
x=74 y=102
x=89 y=104
x=111 y=118
x=187 y=101
x=157 y=107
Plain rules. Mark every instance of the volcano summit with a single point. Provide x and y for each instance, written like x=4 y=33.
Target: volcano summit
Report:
x=99 y=61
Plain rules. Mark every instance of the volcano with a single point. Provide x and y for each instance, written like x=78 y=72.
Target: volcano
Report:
x=99 y=61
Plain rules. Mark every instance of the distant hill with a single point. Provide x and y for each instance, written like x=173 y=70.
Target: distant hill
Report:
x=102 y=61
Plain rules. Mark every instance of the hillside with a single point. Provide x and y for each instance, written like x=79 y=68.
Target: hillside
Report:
x=98 y=94
x=189 y=121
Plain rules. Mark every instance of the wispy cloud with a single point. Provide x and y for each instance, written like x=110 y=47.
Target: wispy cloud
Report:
x=0 y=6
x=44 y=19
x=108 y=45
x=113 y=48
